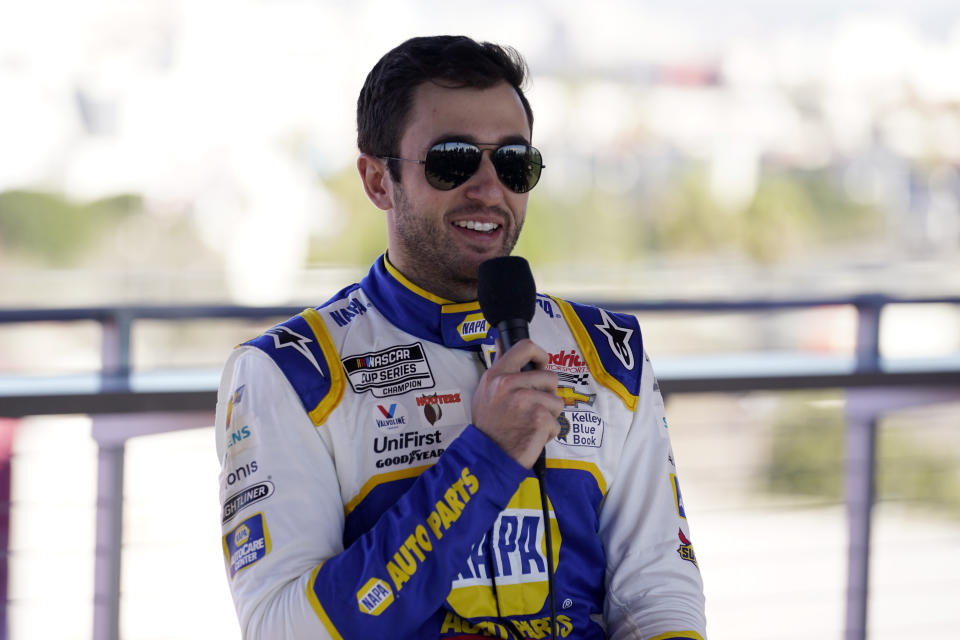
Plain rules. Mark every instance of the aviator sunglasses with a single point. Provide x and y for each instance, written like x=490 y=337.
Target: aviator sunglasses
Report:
x=448 y=165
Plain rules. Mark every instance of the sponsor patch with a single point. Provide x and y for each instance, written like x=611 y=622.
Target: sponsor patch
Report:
x=390 y=416
x=568 y=361
x=239 y=439
x=618 y=338
x=686 y=549
x=514 y=552
x=344 y=315
x=417 y=546
x=581 y=429
x=242 y=472
x=249 y=496
x=677 y=497
x=235 y=398
x=473 y=327
x=547 y=307
x=246 y=543
x=442 y=408
x=573 y=398
x=389 y=372
x=407 y=448
x=375 y=596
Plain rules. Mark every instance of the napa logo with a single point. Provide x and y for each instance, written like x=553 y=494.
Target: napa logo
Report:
x=374 y=597
x=241 y=535
x=473 y=327
x=247 y=543
x=515 y=550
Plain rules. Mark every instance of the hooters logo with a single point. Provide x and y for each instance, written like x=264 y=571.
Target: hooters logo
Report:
x=516 y=551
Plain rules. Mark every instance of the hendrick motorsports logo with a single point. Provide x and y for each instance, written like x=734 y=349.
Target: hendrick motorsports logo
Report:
x=389 y=372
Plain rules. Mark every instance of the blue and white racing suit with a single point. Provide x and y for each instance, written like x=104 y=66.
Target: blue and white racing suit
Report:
x=358 y=501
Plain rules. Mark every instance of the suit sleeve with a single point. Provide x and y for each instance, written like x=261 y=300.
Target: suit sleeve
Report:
x=283 y=517
x=654 y=589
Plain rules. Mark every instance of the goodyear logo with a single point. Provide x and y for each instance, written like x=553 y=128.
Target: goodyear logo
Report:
x=375 y=596
x=514 y=551
x=473 y=327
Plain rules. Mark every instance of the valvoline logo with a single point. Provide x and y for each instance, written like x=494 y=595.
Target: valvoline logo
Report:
x=390 y=417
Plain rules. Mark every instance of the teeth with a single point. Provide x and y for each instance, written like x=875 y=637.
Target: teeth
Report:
x=477 y=226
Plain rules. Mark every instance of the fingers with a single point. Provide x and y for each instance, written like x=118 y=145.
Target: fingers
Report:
x=518 y=409
x=520 y=354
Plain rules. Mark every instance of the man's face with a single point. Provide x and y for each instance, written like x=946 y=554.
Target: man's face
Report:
x=439 y=238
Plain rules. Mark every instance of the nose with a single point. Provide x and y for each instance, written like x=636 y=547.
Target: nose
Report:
x=485 y=186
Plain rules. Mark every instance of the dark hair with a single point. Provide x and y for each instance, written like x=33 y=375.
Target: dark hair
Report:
x=451 y=61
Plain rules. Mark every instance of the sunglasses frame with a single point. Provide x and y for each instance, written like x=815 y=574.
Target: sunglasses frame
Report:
x=480 y=147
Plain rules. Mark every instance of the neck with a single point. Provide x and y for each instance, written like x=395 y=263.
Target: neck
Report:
x=435 y=288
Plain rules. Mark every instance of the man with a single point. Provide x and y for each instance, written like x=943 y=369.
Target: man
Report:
x=376 y=457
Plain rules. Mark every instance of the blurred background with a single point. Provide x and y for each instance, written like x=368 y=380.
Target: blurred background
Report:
x=198 y=152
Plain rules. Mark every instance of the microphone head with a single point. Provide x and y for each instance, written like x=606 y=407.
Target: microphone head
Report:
x=506 y=290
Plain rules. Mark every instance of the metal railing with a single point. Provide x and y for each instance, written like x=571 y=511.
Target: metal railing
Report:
x=120 y=410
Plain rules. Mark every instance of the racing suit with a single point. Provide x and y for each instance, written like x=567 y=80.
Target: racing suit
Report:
x=359 y=502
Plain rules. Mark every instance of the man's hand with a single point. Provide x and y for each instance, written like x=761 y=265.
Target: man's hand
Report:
x=518 y=409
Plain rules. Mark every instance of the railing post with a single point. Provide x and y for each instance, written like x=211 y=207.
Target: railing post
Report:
x=861 y=443
x=115 y=372
x=106 y=594
x=860 y=493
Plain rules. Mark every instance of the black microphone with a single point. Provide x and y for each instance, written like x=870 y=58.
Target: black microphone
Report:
x=508 y=298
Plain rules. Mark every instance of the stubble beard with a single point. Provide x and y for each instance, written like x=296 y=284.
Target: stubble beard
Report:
x=432 y=260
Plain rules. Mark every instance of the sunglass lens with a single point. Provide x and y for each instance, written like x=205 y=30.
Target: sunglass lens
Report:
x=518 y=166
x=450 y=164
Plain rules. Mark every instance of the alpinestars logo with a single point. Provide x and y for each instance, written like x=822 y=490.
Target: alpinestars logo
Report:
x=287 y=337
x=618 y=337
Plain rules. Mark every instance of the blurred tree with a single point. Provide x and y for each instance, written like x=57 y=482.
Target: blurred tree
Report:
x=360 y=234
x=52 y=230
x=808 y=450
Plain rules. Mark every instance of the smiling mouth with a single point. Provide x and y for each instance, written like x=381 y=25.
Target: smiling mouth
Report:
x=483 y=227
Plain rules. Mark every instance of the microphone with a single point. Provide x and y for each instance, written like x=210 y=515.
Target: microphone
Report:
x=508 y=298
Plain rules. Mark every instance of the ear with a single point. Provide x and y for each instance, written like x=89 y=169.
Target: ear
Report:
x=376 y=180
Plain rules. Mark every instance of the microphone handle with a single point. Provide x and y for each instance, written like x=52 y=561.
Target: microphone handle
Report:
x=511 y=332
